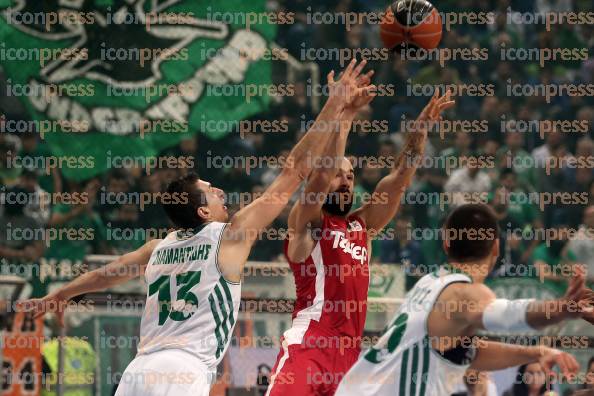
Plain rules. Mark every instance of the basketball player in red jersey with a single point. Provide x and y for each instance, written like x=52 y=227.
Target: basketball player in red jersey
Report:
x=328 y=250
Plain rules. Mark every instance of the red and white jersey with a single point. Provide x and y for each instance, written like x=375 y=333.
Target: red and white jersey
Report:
x=332 y=283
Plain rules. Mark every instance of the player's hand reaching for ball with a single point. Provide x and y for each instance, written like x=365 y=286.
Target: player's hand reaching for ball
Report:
x=578 y=300
x=567 y=364
x=417 y=135
x=352 y=90
x=52 y=303
x=432 y=112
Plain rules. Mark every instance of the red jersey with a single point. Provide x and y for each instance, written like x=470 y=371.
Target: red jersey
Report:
x=332 y=284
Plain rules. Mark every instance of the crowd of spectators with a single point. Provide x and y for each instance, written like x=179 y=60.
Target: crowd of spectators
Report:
x=503 y=158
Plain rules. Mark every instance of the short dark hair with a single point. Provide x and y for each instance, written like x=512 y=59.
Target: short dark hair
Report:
x=507 y=171
x=473 y=230
x=185 y=197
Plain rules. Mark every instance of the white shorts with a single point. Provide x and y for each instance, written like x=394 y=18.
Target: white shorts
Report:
x=166 y=372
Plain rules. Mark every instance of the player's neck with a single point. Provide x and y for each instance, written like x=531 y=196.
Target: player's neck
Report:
x=343 y=216
x=477 y=270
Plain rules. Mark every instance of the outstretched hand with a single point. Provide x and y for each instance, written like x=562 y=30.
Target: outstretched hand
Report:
x=353 y=90
x=437 y=105
x=578 y=297
x=52 y=303
x=428 y=117
x=567 y=364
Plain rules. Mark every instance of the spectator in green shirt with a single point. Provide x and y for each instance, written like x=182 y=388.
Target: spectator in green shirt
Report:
x=551 y=260
x=21 y=241
x=81 y=229
x=513 y=155
x=518 y=207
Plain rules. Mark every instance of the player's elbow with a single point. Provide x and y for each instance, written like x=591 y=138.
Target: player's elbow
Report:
x=293 y=173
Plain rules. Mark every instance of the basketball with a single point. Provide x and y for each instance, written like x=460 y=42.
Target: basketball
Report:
x=411 y=24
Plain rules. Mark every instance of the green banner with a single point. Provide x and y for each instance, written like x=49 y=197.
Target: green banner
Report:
x=106 y=78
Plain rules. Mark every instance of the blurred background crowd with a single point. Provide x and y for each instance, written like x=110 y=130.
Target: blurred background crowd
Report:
x=496 y=143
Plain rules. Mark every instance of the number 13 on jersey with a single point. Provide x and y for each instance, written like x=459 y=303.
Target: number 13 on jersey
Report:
x=185 y=303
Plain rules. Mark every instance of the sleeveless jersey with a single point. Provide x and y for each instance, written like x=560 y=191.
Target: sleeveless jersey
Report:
x=189 y=305
x=332 y=283
x=403 y=361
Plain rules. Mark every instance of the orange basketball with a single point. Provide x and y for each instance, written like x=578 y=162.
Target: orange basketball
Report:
x=411 y=24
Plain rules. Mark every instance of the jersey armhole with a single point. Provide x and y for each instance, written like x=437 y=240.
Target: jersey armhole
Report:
x=429 y=337
x=217 y=258
x=150 y=257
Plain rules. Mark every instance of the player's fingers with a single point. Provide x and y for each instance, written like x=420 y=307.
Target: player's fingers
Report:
x=331 y=77
x=365 y=79
x=575 y=284
x=368 y=90
x=357 y=70
x=363 y=82
x=561 y=361
x=430 y=108
x=579 y=272
x=349 y=69
x=370 y=73
x=28 y=305
x=446 y=105
x=60 y=317
x=435 y=94
x=447 y=97
x=547 y=370
x=580 y=268
x=586 y=305
x=568 y=366
x=574 y=365
x=436 y=109
x=38 y=314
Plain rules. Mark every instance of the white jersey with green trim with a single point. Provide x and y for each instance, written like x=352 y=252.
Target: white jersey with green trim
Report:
x=189 y=305
x=403 y=362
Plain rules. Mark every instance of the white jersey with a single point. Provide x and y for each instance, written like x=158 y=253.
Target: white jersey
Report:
x=189 y=305
x=403 y=362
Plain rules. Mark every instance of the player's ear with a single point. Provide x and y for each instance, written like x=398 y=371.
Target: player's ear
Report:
x=204 y=212
x=446 y=246
x=495 y=249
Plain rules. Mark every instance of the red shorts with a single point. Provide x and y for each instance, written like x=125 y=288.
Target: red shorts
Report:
x=301 y=370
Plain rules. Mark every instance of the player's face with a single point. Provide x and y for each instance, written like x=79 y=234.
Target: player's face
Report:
x=215 y=207
x=340 y=199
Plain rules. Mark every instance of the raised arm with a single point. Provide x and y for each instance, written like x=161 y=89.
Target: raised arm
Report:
x=247 y=224
x=124 y=268
x=307 y=212
x=388 y=193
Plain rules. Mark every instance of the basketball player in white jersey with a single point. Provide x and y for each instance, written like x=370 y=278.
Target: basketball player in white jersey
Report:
x=430 y=343
x=193 y=275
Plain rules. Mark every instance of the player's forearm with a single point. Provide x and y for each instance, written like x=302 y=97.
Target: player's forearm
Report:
x=407 y=161
x=492 y=356
x=547 y=313
x=9 y=253
x=332 y=154
x=316 y=138
x=102 y=278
